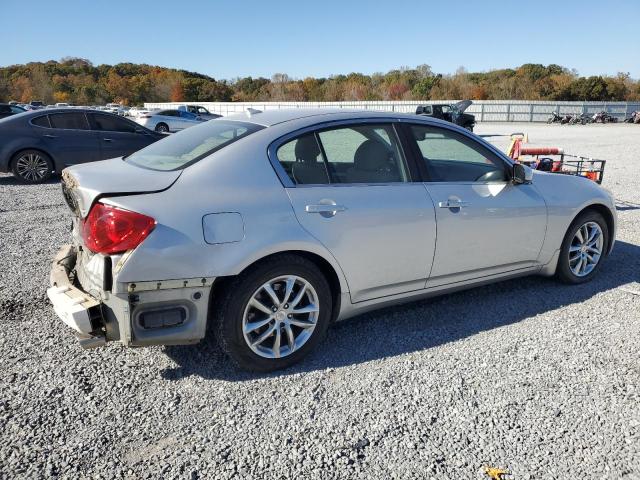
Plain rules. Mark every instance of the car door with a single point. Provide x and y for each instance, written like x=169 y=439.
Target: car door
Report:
x=351 y=189
x=118 y=136
x=70 y=139
x=486 y=224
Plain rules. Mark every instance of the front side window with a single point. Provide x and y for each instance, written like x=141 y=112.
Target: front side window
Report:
x=111 y=123
x=69 y=121
x=452 y=157
x=368 y=154
x=182 y=149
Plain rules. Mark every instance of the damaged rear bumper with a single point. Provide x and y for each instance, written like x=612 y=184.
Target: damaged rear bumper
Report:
x=76 y=309
x=165 y=312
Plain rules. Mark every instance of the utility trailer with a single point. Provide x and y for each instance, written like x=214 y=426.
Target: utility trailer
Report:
x=554 y=159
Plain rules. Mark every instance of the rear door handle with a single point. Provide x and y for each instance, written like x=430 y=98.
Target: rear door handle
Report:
x=326 y=210
x=453 y=204
x=108 y=139
x=48 y=135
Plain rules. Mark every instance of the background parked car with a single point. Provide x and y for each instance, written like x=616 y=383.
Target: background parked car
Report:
x=451 y=113
x=137 y=111
x=199 y=110
x=169 y=120
x=7 y=110
x=38 y=143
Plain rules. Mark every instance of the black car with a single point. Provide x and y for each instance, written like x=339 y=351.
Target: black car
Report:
x=38 y=143
x=451 y=113
x=7 y=110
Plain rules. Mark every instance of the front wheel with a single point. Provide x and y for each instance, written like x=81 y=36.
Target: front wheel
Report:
x=274 y=315
x=162 y=128
x=583 y=248
x=32 y=166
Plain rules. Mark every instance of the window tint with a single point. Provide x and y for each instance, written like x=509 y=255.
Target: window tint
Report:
x=17 y=109
x=169 y=113
x=112 y=123
x=363 y=154
x=5 y=109
x=42 y=121
x=302 y=160
x=453 y=157
x=69 y=121
x=355 y=154
x=193 y=144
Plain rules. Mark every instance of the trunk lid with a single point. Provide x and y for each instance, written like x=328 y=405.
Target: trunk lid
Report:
x=83 y=184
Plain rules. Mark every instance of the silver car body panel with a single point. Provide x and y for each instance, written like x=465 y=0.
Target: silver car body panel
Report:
x=390 y=244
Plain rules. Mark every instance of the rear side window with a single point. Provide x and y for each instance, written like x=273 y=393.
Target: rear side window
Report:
x=169 y=113
x=69 y=121
x=42 y=121
x=5 y=109
x=182 y=149
x=112 y=123
x=368 y=154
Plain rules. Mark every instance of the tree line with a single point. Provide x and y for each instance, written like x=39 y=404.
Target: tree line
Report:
x=78 y=81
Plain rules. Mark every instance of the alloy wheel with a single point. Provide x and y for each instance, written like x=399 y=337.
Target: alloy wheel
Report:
x=586 y=248
x=32 y=167
x=280 y=316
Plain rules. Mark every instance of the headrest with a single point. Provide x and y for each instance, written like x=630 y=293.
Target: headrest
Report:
x=307 y=149
x=371 y=156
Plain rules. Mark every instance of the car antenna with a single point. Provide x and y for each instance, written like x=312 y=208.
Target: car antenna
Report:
x=252 y=111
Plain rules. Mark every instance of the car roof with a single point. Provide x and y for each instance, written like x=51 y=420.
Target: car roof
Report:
x=269 y=118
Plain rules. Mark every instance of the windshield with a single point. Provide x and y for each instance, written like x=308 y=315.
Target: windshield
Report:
x=182 y=149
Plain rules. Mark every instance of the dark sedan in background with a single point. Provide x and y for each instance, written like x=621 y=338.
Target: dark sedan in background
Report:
x=6 y=110
x=36 y=144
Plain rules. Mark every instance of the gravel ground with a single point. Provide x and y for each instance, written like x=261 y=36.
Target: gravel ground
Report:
x=537 y=378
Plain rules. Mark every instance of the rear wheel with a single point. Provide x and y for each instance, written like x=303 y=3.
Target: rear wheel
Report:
x=162 y=128
x=583 y=248
x=274 y=315
x=32 y=166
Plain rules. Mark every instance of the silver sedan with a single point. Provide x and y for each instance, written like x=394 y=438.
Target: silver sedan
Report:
x=269 y=226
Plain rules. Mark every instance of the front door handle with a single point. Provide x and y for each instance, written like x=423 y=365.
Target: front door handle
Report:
x=325 y=209
x=453 y=204
x=48 y=135
x=107 y=139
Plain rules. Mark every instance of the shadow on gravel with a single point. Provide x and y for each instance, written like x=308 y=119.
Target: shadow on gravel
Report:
x=423 y=324
x=11 y=180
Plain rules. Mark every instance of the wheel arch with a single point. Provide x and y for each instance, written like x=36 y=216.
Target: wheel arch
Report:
x=14 y=155
x=608 y=216
x=336 y=281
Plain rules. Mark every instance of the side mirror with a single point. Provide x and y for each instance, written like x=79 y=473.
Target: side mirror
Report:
x=521 y=174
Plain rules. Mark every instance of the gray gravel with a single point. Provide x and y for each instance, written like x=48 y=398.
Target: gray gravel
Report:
x=535 y=377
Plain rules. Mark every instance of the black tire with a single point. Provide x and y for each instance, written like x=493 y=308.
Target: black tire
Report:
x=469 y=127
x=32 y=166
x=162 y=128
x=230 y=304
x=564 y=271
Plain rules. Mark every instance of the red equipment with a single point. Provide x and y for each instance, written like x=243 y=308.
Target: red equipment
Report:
x=582 y=166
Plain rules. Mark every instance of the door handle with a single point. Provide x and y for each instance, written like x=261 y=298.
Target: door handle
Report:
x=453 y=204
x=324 y=209
x=48 y=135
x=107 y=139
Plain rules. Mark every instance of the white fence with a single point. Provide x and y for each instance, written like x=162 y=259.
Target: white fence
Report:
x=484 y=110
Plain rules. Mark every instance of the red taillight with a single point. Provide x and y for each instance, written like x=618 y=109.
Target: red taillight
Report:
x=110 y=230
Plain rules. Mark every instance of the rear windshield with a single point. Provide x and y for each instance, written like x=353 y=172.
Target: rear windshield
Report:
x=182 y=149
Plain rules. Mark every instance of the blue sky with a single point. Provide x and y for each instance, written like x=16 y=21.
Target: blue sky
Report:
x=226 y=39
